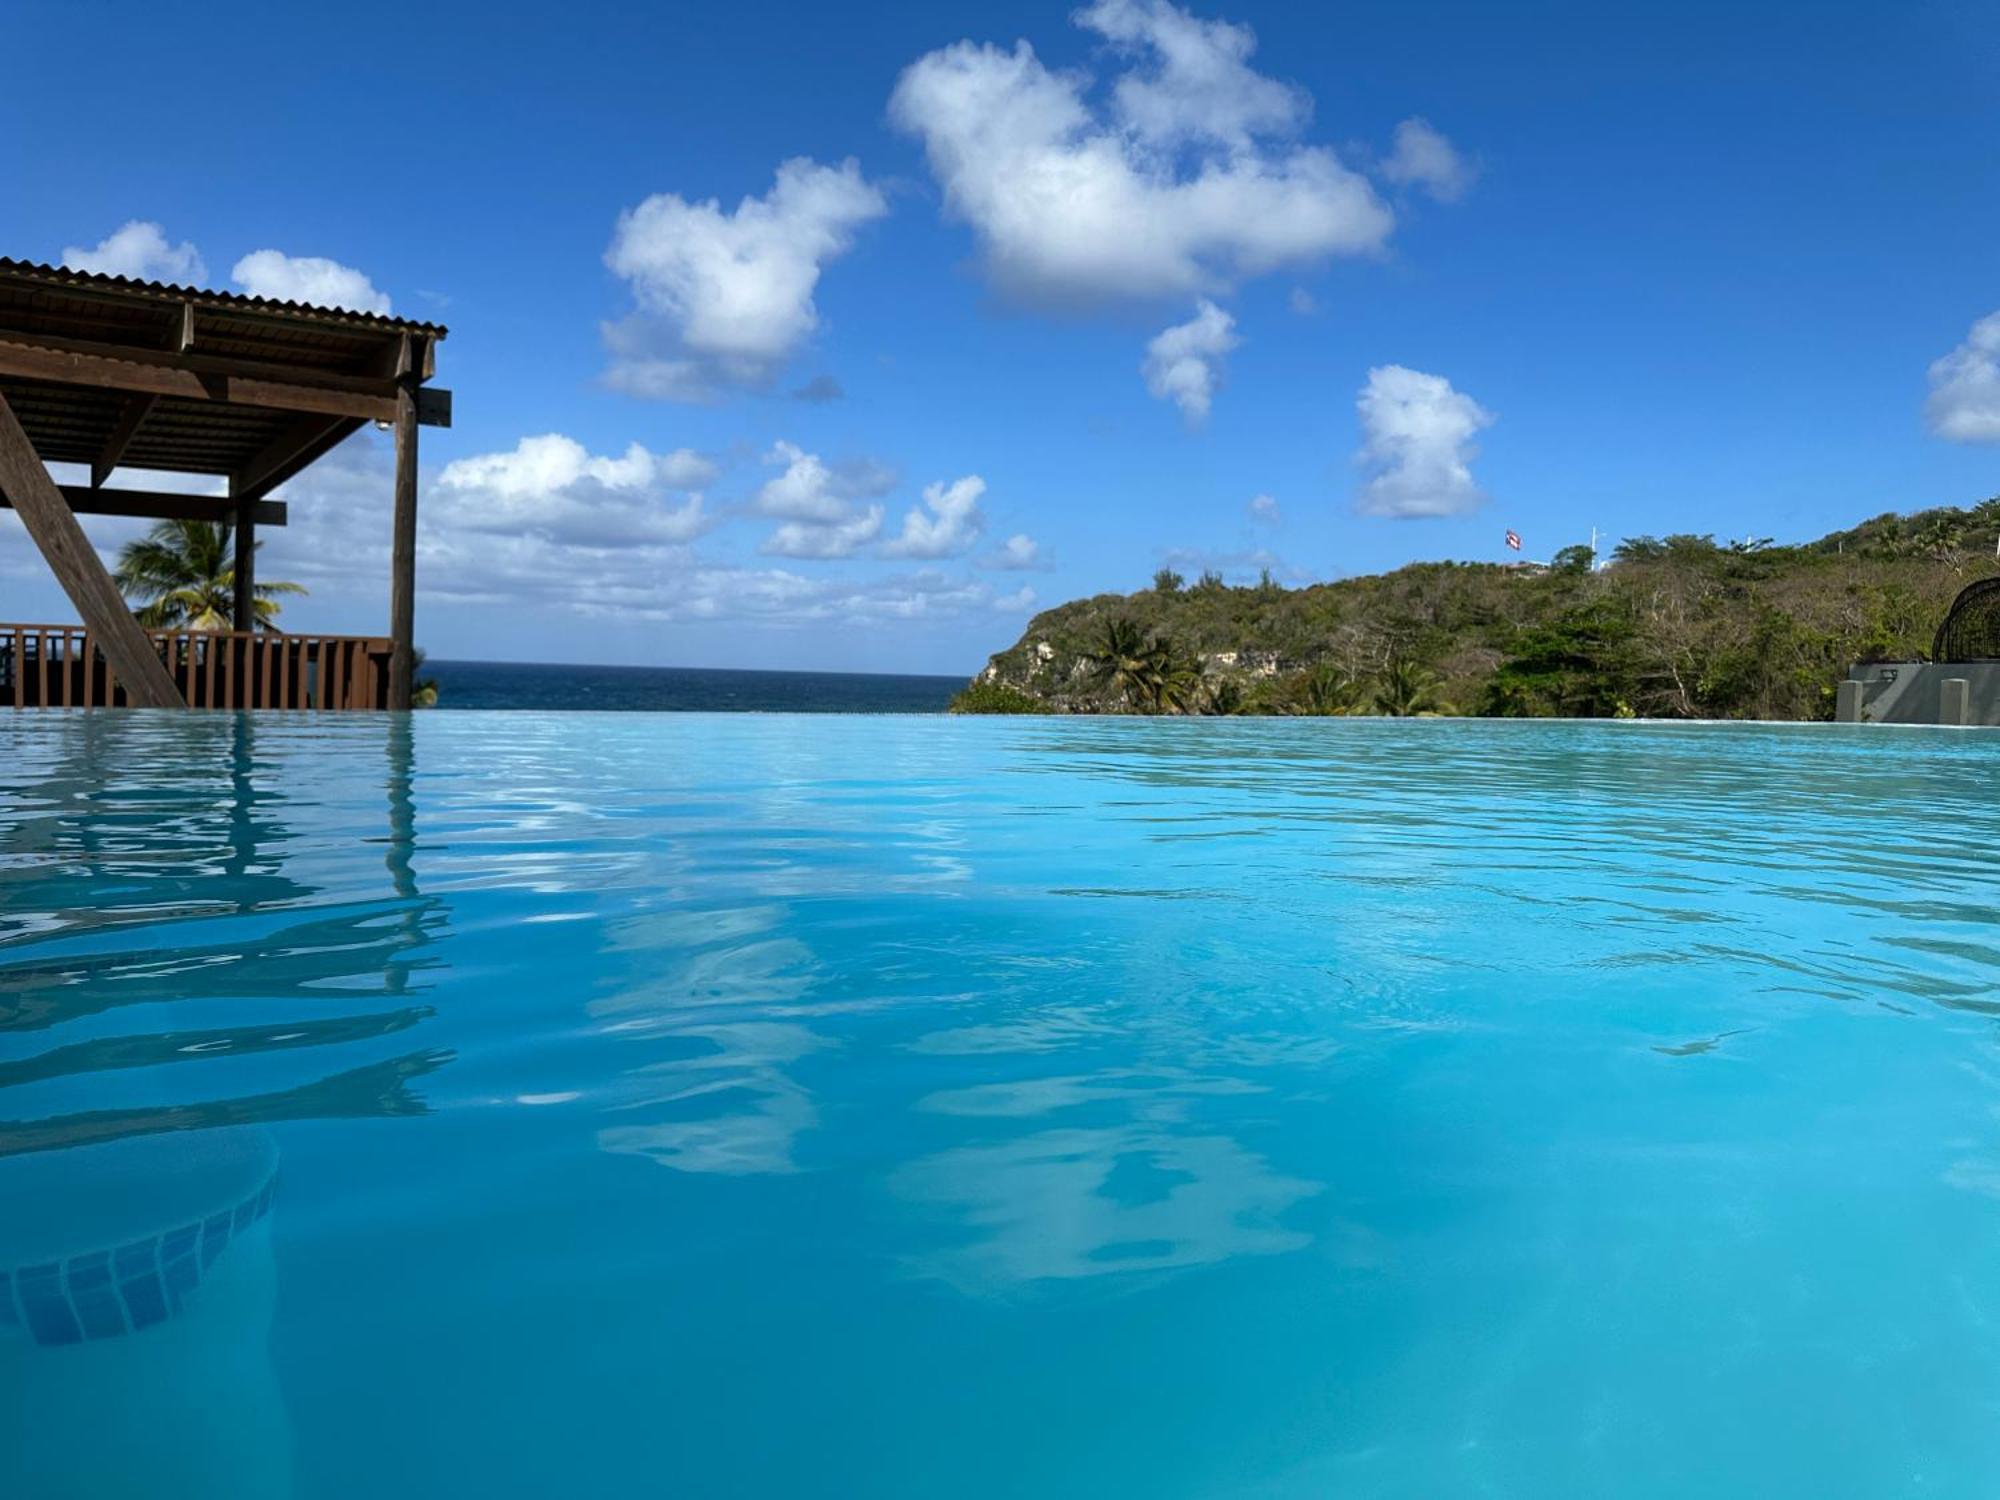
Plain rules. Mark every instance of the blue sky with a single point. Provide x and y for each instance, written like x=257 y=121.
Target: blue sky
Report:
x=1417 y=273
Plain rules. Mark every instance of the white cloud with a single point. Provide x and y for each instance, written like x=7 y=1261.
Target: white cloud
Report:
x=1192 y=176
x=777 y=596
x=627 y=567
x=311 y=279
x=1019 y=602
x=825 y=539
x=815 y=500
x=724 y=298
x=810 y=489
x=953 y=525
x=1191 y=81
x=1264 y=510
x=1964 y=404
x=1418 y=444
x=1184 y=364
x=553 y=488
x=684 y=469
x=1423 y=157
x=805 y=491
x=1020 y=553
x=139 y=248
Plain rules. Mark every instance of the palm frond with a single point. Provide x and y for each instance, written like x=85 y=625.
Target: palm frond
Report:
x=182 y=575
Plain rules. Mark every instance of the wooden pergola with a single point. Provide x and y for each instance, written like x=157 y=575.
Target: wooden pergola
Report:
x=120 y=375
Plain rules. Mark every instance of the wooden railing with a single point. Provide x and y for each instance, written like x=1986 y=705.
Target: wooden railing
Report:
x=58 y=666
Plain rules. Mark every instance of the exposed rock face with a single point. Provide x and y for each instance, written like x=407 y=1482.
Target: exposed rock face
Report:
x=1051 y=661
x=1244 y=663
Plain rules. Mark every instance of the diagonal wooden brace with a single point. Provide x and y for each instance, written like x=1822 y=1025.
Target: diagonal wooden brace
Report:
x=39 y=503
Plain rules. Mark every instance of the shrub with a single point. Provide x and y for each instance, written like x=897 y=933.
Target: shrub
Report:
x=995 y=698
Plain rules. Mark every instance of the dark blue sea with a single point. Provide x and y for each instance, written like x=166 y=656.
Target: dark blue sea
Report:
x=500 y=684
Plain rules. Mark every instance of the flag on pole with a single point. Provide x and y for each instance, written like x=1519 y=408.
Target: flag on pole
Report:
x=1514 y=540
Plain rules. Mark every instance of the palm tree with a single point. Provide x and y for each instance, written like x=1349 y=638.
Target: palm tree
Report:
x=1407 y=690
x=182 y=575
x=423 y=690
x=1182 y=686
x=1131 y=663
x=1327 y=691
x=1225 y=698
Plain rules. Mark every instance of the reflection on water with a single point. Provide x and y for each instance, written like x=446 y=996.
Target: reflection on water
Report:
x=137 y=1278
x=375 y=1089
x=1148 y=1195
x=749 y=1111
x=724 y=1102
x=1046 y=1108
x=1066 y=1203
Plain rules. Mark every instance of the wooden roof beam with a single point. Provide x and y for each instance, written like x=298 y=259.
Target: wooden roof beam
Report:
x=160 y=505
x=30 y=361
x=302 y=443
x=412 y=355
x=136 y=411
x=362 y=382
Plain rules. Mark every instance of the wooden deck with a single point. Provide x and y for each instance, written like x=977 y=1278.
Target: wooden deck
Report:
x=60 y=666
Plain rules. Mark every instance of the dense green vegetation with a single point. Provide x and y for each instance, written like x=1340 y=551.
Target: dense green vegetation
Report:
x=1672 y=627
x=995 y=698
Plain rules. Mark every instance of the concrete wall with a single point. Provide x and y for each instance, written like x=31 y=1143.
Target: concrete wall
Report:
x=1916 y=692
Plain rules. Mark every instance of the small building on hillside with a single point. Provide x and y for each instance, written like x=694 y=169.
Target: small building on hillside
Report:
x=1960 y=684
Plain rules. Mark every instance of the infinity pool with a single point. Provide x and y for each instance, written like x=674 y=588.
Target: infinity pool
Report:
x=509 y=1105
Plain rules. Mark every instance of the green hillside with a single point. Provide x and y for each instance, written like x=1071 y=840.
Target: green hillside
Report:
x=1674 y=627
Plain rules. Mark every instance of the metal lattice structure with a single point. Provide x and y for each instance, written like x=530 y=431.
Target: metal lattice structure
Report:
x=1971 y=630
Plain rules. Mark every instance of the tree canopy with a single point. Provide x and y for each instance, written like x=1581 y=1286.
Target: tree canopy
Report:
x=182 y=576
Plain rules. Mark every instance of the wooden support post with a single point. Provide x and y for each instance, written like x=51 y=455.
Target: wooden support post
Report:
x=243 y=539
x=80 y=570
x=403 y=566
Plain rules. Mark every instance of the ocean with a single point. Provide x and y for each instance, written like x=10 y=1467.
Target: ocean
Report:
x=535 y=685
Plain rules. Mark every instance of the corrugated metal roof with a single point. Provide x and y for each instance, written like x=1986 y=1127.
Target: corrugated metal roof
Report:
x=204 y=297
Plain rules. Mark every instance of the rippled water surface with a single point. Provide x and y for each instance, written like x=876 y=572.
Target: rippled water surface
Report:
x=736 y=1106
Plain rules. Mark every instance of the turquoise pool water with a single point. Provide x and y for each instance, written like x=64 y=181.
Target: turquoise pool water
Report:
x=736 y=1106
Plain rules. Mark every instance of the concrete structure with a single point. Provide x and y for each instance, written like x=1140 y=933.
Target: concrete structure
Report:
x=1920 y=692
